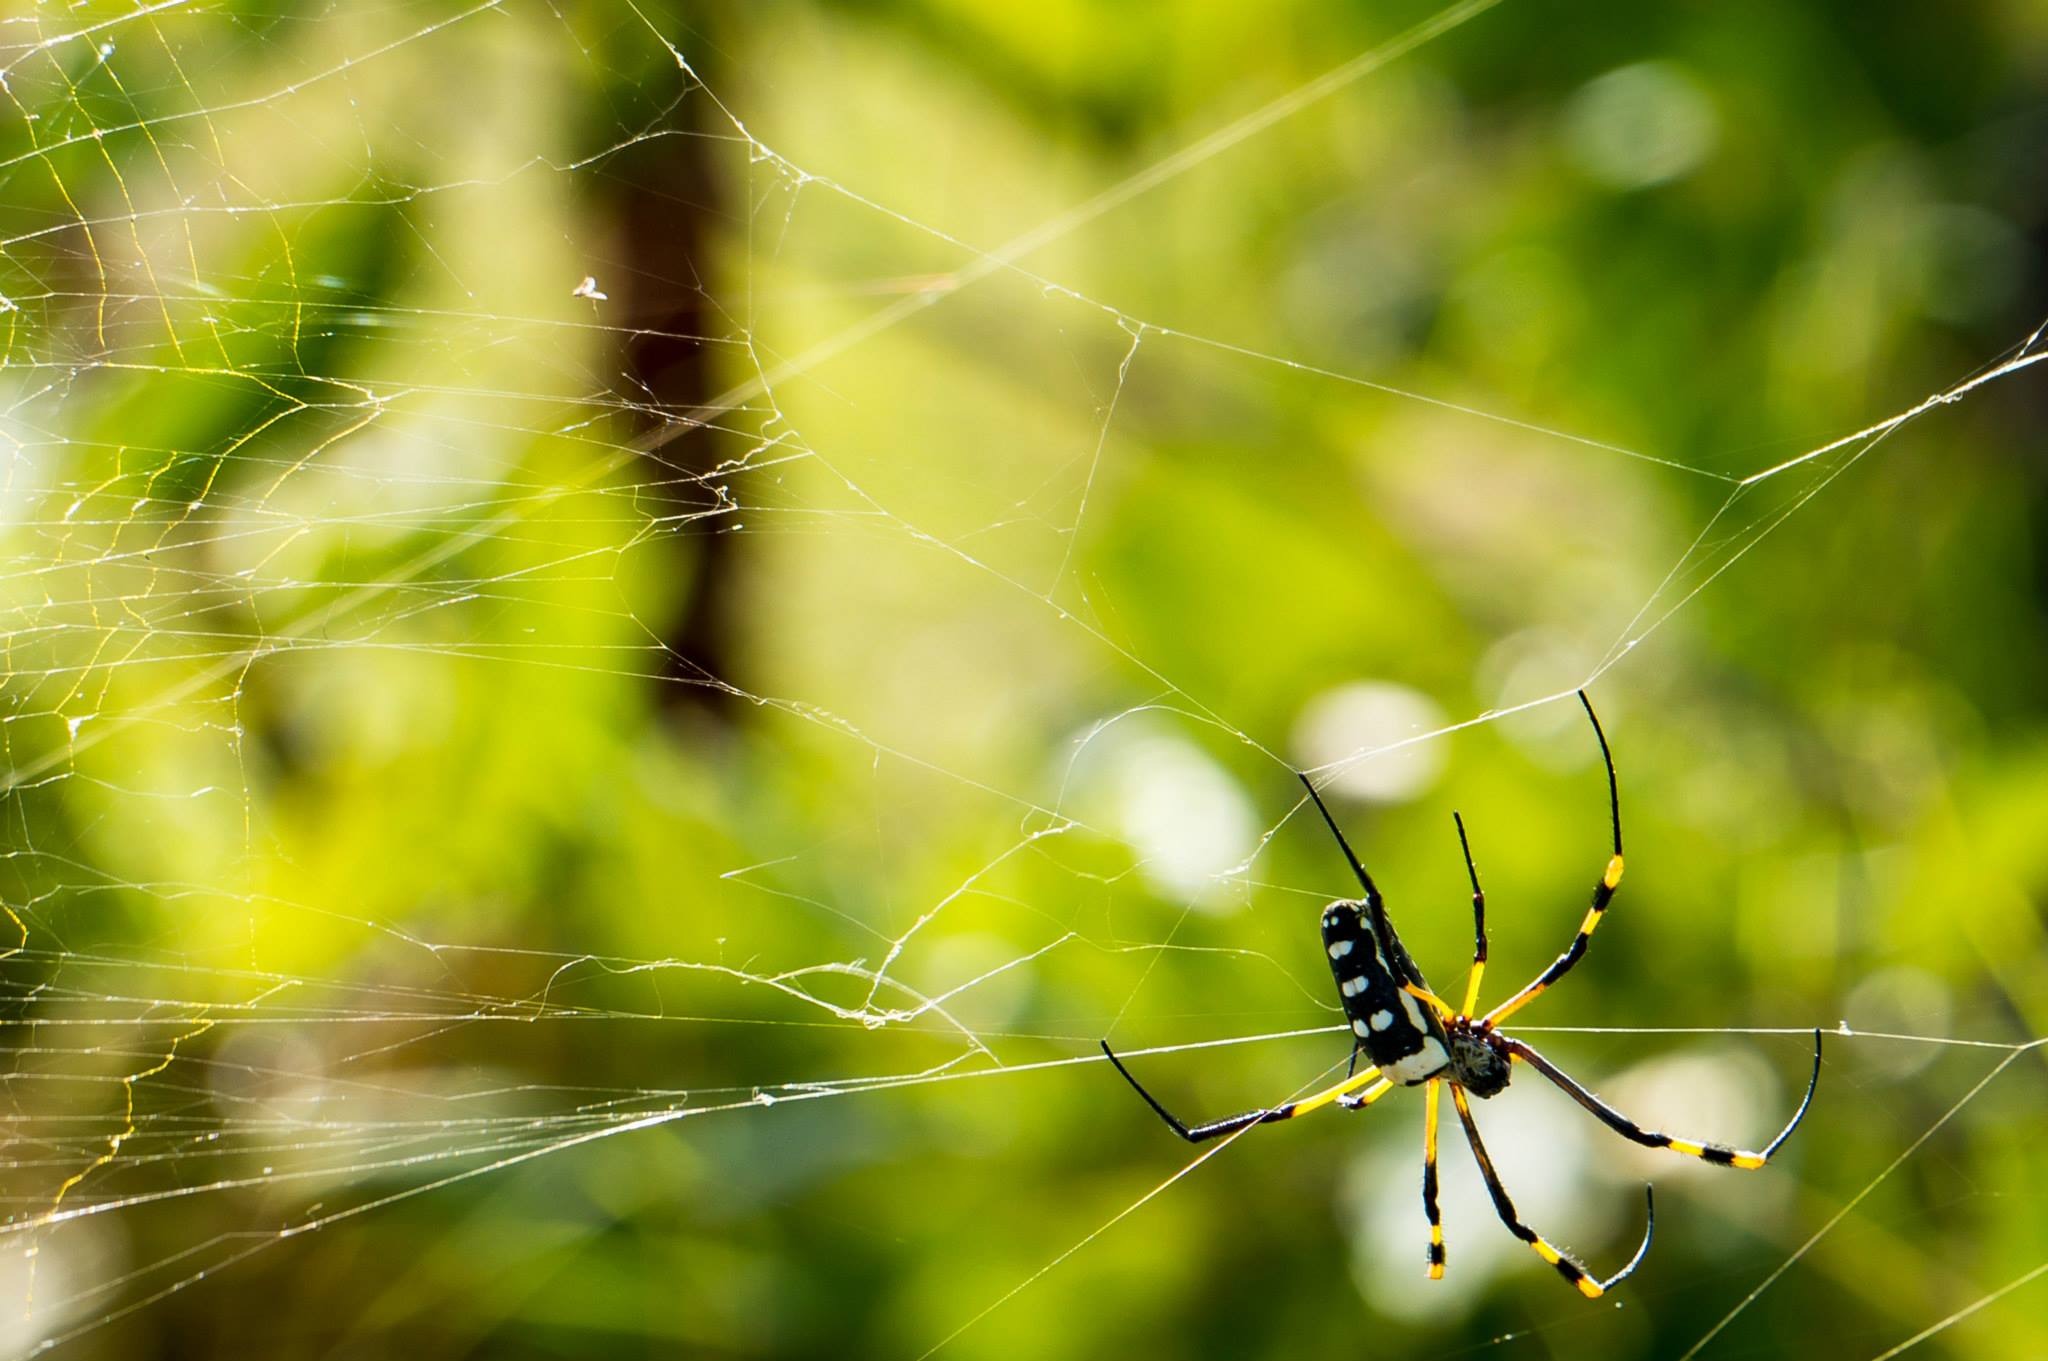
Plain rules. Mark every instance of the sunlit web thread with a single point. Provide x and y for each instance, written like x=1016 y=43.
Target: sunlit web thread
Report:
x=1004 y=258
x=508 y=525
x=1850 y=1205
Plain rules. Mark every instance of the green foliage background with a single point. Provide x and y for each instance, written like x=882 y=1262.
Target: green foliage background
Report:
x=450 y=717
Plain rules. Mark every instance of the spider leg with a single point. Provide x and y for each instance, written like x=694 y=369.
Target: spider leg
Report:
x=1341 y=1092
x=1719 y=1154
x=1478 y=924
x=1429 y=1206
x=1603 y=892
x=1404 y=970
x=1588 y=1285
x=1358 y=1101
x=1372 y=891
x=1435 y=1003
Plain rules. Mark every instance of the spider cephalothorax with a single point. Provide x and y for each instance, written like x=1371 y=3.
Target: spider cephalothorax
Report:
x=1480 y=1059
x=1414 y=1038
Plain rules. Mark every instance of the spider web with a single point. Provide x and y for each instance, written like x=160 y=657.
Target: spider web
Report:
x=382 y=834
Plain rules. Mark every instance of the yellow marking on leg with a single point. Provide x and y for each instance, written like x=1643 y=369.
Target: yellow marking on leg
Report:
x=1720 y=1157
x=1514 y=1004
x=1429 y=1130
x=1471 y=1007
x=1344 y=1088
x=1359 y=1103
x=1569 y=1269
x=1441 y=1007
x=1592 y=921
x=1613 y=876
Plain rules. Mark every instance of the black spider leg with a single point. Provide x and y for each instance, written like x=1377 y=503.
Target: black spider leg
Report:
x=1375 y=906
x=1588 y=1285
x=1431 y=1090
x=1719 y=1154
x=1603 y=891
x=1372 y=891
x=1347 y=1092
x=1478 y=922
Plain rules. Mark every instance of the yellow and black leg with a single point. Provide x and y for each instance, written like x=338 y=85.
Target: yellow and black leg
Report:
x=1355 y=1091
x=1719 y=1154
x=1429 y=1206
x=1478 y=925
x=1588 y=1285
x=1603 y=892
x=1357 y=1100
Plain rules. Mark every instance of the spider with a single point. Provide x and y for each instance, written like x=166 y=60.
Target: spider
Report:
x=1414 y=1038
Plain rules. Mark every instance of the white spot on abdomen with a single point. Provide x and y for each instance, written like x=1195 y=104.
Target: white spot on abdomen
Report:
x=1351 y=987
x=1382 y=1019
x=1414 y=1012
x=1341 y=949
x=1358 y=1029
x=1420 y=1066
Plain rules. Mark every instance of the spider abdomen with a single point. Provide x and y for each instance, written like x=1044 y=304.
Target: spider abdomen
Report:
x=1401 y=1036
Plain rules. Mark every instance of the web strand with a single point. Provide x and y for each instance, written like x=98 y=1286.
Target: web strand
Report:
x=369 y=506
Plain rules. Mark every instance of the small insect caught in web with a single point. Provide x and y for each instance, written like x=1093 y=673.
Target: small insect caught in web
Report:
x=1411 y=1037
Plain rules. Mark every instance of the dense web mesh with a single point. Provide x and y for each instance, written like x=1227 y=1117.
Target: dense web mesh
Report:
x=534 y=617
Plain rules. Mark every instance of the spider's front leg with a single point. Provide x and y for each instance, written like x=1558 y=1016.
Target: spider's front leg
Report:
x=1478 y=924
x=1603 y=892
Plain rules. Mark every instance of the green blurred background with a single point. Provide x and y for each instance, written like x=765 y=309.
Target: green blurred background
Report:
x=630 y=627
